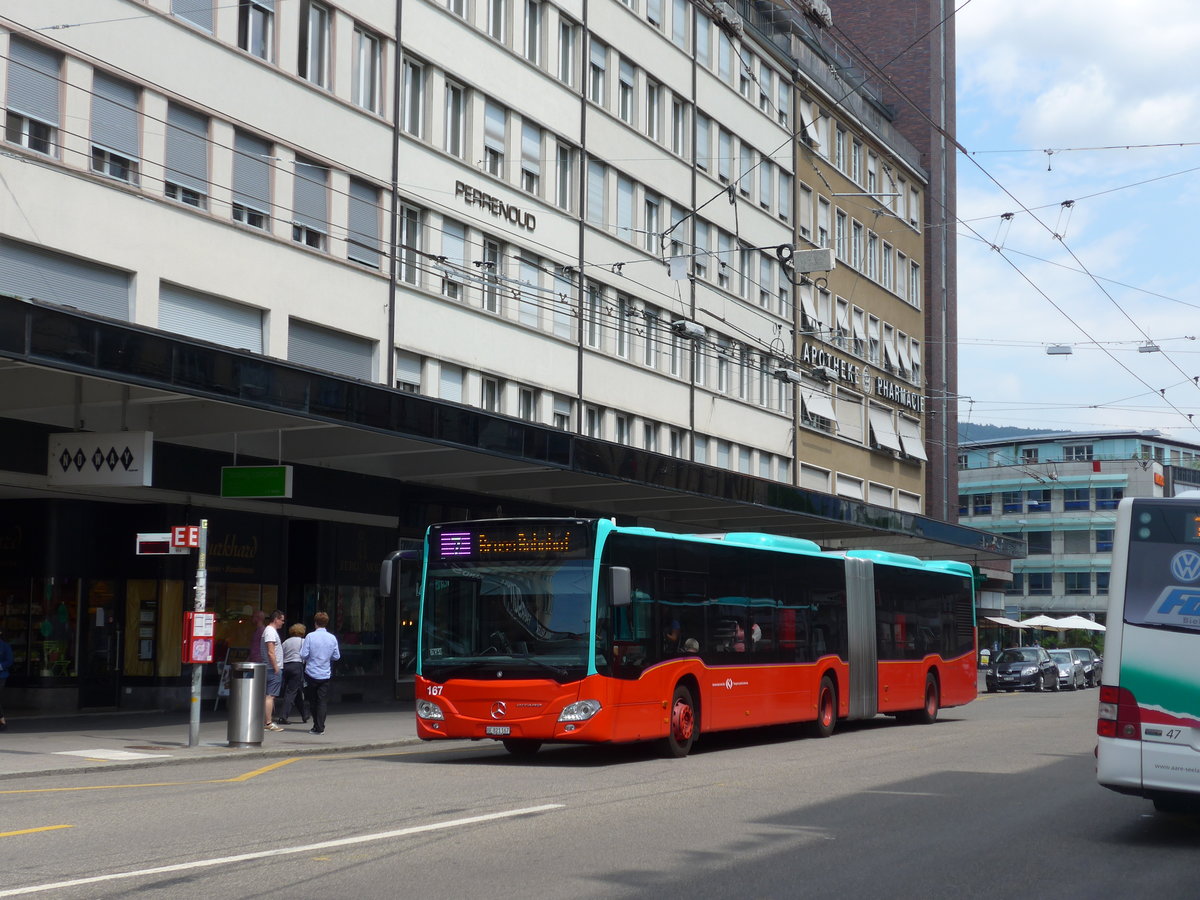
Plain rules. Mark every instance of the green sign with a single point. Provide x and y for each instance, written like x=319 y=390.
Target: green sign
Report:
x=256 y=481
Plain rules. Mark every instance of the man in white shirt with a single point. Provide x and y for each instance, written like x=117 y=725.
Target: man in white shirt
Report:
x=272 y=655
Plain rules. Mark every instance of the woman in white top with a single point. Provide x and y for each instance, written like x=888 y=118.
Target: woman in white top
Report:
x=293 y=675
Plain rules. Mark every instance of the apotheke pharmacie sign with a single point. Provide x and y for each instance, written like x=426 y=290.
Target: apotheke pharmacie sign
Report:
x=853 y=373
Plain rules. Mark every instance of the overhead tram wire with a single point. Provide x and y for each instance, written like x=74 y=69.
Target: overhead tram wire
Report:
x=958 y=146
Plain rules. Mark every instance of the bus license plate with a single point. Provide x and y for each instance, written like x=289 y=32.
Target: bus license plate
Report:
x=497 y=729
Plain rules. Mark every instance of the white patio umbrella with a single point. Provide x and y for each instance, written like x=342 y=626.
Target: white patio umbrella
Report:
x=1080 y=622
x=1001 y=620
x=1040 y=622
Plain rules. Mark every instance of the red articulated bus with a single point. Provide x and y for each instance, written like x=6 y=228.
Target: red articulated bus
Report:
x=583 y=631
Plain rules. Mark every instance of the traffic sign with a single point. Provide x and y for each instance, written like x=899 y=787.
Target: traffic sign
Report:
x=157 y=543
x=187 y=536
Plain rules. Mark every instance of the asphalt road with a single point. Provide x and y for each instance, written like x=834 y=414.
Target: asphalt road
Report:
x=997 y=799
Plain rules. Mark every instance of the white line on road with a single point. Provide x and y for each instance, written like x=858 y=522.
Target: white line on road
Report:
x=262 y=854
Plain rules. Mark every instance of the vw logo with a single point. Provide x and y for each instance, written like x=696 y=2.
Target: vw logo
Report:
x=499 y=710
x=1185 y=565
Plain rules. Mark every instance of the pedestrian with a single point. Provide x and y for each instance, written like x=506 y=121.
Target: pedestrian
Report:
x=272 y=655
x=293 y=676
x=319 y=650
x=6 y=664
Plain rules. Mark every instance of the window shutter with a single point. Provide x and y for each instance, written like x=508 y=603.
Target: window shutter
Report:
x=198 y=12
x=33 y=85
x=115 y=115
x=187 y=148
x=531 y=148
x=493 y=127
x=333 y=351
x=364 y=223
x=311 y=196
x=210 y=318
x=27 y=271
x=251 y=172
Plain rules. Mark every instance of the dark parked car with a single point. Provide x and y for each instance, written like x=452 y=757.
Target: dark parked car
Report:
x=1025 y=668
x=1070 y=669
x=1093 y=665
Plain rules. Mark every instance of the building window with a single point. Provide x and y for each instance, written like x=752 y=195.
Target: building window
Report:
x=33 y=91
x=593 y=419
x=528 y=310
x=1017 y=586
x=115 y=128
x=1010 y=501
x=963 y=500
x=410 y=244
x=408 y=372
x=564 y=177
x=1040 y=583
x=1039 y=542
x=198 y=12
x=597 y=71
x=725 y=154
x=1077 y=452
x=454 y=247
x=497 y=19
x=363 y=234
x=1029 y=455
x=531 y=157
x=186 y=174
x=1077 y=498
x=314 y=43
x=256 y=24
x=456 y=119
x=681 y=11
x=651 y=222
x=527 y=404
x=566 y=51
x=1078 y=583
x=1101 y=583
x=1038 y=500
x=414 y=97
x=562 y=414
x=458 y=7
x=310 y=206
x=981 y=504
x=703 y=141
x=251 y=181
x=491 y=394
x=1108 y=498
x=1077 y=542
x=533 y=31
x=495 y=120
x=653 y=110
x=679 y=121
x=492 y=274
x=625 y=86
x=1104 y=541
x=367 y=55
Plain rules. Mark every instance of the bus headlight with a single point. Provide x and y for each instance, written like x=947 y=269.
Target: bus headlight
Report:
x=580 y=711
x=427 y=709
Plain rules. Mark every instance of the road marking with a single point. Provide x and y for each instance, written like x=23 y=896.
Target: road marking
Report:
x=272 y=767
x=281 y=851
x=34 y=830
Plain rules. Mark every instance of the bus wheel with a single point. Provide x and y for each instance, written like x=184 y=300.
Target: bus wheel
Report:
x=928 y=713
x=826 y=709
x=522 y=749
x=683 y=725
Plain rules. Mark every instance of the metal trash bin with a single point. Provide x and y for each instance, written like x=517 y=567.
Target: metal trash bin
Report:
x=247 y=688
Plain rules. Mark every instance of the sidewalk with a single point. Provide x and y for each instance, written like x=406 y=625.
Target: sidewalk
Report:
x=89 y=742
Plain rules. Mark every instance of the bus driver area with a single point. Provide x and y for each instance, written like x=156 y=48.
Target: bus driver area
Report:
x=579 y=630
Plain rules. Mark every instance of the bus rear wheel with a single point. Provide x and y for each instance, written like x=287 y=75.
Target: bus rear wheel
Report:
x=522 y=749
x=683 y=727
x=928 y=713
x=826 y=710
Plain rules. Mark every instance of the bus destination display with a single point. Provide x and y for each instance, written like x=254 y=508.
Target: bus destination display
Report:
x=511 y=542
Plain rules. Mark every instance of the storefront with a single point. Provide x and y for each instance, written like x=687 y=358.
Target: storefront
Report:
x=93 y=625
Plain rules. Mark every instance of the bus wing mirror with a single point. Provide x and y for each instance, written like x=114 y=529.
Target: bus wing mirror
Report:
x=389 y=570
x=619 y=583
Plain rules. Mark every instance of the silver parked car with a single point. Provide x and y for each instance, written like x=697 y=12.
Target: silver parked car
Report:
x=1093 y=665
x=1070 y=669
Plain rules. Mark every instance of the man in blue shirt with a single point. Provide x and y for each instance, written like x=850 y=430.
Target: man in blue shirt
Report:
x=319 y=650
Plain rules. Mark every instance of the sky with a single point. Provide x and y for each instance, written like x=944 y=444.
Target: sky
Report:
x=1112 y=272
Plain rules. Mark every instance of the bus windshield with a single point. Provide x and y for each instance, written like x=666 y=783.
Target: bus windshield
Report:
x=507 y=619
